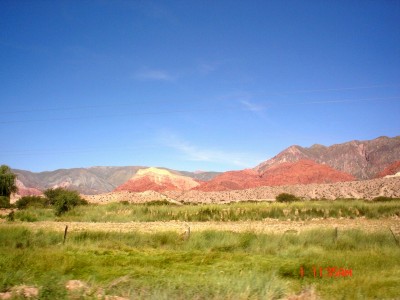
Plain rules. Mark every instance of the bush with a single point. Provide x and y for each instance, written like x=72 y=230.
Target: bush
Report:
x=31 y=201
x=4 y=202
x=285 y=197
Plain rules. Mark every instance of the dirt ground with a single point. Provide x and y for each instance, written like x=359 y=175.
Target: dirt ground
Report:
x=266 y=226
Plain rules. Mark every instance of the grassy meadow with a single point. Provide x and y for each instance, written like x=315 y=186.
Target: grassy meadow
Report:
x=208 y=264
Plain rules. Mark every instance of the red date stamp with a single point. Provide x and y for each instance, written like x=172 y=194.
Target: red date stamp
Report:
x=334 y=272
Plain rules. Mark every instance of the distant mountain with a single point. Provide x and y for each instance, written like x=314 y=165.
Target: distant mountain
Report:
x=287 y=173
x=362 y=159
x=158 y=180
x=295 y=165
x=93 y=180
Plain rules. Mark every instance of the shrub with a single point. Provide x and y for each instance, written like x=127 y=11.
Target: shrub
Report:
x=285 y=197
x=158 y=202
x=31 y=201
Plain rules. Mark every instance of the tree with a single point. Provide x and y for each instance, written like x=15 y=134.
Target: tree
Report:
x=7 y=185
x=63 y=200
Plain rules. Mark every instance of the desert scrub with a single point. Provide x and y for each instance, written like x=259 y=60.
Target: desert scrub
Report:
x=285 y=197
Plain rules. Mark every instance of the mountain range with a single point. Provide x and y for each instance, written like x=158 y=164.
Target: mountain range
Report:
x=93 y=180
x=354 y=160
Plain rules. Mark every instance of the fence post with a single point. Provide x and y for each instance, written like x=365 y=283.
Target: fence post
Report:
x=65 y=233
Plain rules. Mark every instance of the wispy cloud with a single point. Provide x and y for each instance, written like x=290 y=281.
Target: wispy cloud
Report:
x=208 y=67
x=194 y=153
x=252 y=106
x=154 y=74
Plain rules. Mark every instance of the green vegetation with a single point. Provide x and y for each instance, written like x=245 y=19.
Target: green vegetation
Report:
x=285 y=197
x=7 y=185
x=241 y=211
x=210 y=265
x=66 y=200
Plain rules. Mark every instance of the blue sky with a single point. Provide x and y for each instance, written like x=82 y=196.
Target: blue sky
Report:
x=189 y=85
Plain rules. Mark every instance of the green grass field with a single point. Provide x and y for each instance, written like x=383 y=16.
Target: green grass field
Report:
x=210 y=265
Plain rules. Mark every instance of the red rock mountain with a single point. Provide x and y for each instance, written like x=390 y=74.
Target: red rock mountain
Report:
x=362 y=159
x=158 y=180
x=287 y=173
x=393 y=169
x=303 y=172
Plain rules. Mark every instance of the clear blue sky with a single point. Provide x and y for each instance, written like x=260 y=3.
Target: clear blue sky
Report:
x=210 y=85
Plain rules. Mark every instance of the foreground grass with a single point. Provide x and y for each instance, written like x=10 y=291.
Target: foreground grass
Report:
x=241 y=211
x=210 y=265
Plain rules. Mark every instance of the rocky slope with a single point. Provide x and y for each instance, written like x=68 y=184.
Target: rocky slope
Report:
x=232 y=180
x=391 y=170
x=154 y=179
x=25 y=191
x=362 y=159
x=367 y=189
